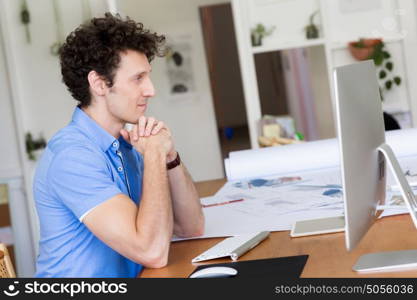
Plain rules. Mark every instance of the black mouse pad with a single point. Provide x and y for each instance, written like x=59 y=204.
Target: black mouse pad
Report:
x=281 y=267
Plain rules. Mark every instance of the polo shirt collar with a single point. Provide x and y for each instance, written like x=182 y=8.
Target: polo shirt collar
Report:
x=94 y=131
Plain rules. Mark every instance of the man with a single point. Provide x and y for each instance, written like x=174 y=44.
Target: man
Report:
x=109 y=200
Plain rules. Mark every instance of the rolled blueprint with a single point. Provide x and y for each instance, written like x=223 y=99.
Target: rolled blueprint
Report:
x=305 y=156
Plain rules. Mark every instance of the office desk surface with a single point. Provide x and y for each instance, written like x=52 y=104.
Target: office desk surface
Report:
x=328 y=256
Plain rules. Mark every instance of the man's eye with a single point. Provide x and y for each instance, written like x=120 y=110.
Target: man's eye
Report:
x=139 y=78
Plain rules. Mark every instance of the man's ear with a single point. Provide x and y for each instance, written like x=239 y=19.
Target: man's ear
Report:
x=97 y=83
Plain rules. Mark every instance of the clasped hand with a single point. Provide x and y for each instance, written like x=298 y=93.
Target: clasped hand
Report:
x=150 y=134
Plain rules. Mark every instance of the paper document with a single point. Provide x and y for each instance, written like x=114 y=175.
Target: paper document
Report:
x=274 y=205
x=270 y=189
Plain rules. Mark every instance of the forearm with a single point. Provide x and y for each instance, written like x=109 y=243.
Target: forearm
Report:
x=188 y=215
x=154 y=221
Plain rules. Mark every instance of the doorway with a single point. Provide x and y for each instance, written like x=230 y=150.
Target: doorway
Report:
x=226 y=81
x=225 y=77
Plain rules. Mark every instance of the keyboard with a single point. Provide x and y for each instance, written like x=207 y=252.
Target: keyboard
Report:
x=233 y=246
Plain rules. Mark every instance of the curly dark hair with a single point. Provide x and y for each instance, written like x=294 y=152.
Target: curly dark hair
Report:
x=96 y=45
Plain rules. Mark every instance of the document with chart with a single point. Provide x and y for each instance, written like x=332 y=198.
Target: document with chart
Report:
x=303 y=183
x=245 y=207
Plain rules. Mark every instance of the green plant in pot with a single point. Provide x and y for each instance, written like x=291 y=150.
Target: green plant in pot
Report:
x=312 y=31
x=259 y=32
x=375 y=49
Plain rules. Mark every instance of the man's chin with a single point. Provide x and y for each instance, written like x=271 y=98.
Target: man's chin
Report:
x=133 y=120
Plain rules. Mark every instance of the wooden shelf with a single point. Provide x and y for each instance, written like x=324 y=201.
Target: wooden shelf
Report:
x=287 y=45
x=343 y=44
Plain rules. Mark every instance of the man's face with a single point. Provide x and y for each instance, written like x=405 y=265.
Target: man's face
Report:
x=127 y=98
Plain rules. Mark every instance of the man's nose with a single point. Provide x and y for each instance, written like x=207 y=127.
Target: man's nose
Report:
x=149 y=90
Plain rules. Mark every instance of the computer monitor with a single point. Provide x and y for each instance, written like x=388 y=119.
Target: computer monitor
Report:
x=364 y=156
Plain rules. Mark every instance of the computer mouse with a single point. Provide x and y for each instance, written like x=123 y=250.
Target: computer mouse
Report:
x=212 y=272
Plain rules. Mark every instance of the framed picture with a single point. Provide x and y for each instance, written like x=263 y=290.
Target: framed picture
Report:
x=180 y=67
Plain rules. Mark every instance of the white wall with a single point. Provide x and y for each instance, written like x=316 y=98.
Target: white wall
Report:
x=321 y=92
x=192 y=120
x=367 y=19
x=46 y=106
x=376 y=19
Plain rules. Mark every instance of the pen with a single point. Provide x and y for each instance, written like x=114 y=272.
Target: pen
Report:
x=253 y=242
x=221 y=203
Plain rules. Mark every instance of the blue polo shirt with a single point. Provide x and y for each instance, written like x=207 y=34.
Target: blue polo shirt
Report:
x=82 y=167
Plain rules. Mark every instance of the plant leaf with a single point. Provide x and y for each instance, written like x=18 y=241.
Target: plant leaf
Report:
x=378 y=47
x=382 y=74
x=397 y=80
x=360 y=44
x=388 y=84
x=389 y=65
x=386 y=55
x=378 y=58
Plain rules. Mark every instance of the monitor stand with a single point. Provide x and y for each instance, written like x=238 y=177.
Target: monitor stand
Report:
x=394 y=260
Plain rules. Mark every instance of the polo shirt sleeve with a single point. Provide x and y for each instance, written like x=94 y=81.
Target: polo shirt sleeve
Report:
x=81 y=179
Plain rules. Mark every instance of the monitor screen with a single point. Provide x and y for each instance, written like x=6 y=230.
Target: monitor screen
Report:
x=364 y=156
x=361 y=131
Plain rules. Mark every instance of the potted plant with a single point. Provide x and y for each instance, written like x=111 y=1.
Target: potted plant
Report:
x=312 y=31
x=375 y=49
x=364 y=48
x=25 y=19
x=259 y=32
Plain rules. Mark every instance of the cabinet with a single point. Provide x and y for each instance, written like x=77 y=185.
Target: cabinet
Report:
x=339 y=22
